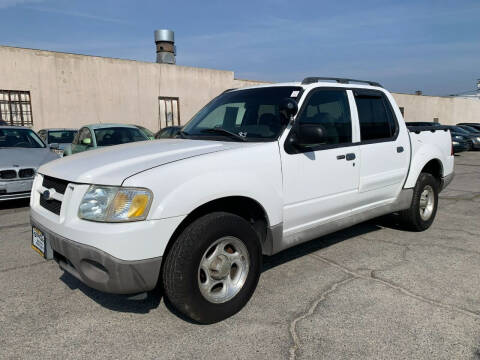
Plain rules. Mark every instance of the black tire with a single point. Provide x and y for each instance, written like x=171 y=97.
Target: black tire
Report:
x=411 y=217
x=180 y=274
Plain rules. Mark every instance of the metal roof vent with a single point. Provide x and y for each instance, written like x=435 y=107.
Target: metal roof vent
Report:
x=166 y=50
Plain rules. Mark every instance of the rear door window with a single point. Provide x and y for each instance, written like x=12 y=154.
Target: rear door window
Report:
x=375 y=115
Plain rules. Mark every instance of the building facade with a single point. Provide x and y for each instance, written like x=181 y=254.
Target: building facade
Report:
x=45 y=89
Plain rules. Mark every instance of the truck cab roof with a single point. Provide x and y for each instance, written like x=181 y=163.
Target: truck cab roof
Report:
x=312 y=82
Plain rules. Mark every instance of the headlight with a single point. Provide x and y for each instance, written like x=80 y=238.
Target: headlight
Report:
x=478 y=138
x=455 y=142
x=115 y=204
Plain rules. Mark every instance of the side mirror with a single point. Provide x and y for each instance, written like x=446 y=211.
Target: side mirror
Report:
x=87 y=141
x=308 y=135
x=54 y=146
x=289 y=107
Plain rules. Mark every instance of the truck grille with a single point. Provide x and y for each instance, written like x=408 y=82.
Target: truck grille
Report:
x=26 y=173
x=51 y=205
x=53 y=183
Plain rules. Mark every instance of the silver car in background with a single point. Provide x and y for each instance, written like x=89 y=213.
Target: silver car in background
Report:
x=21 y=153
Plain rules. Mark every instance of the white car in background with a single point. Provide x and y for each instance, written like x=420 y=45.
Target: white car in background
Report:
x=250 y=175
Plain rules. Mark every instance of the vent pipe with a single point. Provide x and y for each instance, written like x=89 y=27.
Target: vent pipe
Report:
x=165 y=43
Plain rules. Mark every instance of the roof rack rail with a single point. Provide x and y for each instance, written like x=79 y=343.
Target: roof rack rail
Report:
x=314 y=79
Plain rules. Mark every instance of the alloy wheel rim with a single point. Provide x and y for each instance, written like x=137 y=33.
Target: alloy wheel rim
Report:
x=427 y=202
x=223 y=269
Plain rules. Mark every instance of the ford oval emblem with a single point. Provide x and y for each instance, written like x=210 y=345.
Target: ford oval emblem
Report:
x=46 y=195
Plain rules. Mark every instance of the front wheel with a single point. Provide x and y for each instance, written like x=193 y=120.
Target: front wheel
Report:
x=424 y=205
x=213 y=267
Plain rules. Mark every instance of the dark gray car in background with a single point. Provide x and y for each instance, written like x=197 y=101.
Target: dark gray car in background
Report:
x=472 y=138
x=21 y=153
x=58 y=139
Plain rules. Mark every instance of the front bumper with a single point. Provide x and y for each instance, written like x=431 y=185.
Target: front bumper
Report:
x=15 y=189
x=98 y=269
x=476 y=145
x=461 y=147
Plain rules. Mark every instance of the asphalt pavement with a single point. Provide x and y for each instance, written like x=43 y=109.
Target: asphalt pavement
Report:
x=370 y=291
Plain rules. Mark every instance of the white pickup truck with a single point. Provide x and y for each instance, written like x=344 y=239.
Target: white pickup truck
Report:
x=256 y=171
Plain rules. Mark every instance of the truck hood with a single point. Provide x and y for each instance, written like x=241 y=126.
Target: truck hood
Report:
x=25 y=157
x=112 y=165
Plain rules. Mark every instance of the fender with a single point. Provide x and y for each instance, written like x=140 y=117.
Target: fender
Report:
x=421 y=157
x=181 y=187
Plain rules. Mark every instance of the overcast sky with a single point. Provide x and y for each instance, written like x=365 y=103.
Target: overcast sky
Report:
x=406 y=45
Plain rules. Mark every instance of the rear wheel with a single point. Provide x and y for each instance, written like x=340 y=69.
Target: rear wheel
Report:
x=213 y=267
x=423 y=209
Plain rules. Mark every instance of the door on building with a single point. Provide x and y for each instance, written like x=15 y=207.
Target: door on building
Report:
x=169 y=112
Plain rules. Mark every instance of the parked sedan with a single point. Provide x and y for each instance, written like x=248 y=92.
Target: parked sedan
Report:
x=459 y=142
x=58 y=139
x=146 y=132
x=168 y=132
x=473 y=139
x=21 y=153
x=100 y=135
x=470 y=129
x=474 y=125
x=422 y=123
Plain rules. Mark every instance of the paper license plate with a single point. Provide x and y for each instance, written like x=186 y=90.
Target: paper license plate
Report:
x=38 y=241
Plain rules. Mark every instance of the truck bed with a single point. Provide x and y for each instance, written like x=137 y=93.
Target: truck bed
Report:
x=425 y=141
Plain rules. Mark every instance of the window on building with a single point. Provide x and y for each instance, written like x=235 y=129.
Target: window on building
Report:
x=16 y=108
x=169 y=112
x=376 y=118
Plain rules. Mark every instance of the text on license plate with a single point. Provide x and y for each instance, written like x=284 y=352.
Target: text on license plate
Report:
x=38 y=241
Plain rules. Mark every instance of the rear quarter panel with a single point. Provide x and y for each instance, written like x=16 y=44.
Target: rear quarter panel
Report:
x=428 y=146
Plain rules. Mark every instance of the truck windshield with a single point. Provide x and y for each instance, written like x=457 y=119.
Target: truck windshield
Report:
x=19 y=138
x=243 y=115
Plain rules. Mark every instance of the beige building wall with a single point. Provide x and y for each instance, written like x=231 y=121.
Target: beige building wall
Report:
x=448 y=110
x=70 y=90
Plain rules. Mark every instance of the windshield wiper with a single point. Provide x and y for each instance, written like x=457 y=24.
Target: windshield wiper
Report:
x=224 y=132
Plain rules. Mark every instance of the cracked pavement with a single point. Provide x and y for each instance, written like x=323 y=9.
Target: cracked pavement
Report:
x=370 y=291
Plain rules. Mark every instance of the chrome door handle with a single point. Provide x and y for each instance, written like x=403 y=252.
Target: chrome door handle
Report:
x=350 y=156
